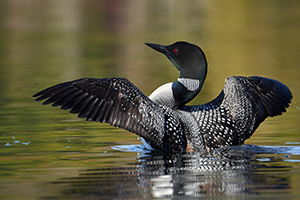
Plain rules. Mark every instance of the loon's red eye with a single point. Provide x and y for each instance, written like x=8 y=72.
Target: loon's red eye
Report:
x=175 y=51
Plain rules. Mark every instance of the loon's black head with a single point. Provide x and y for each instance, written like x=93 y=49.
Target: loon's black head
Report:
x=190 y=61
x=188 y=58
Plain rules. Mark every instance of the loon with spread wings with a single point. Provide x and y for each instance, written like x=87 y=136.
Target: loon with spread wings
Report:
x=163 y=119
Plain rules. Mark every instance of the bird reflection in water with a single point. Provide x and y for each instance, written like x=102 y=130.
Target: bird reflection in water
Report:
x=227 y=172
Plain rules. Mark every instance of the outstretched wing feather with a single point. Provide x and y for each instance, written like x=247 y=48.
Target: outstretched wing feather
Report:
x=109 y=100
x=243 y=104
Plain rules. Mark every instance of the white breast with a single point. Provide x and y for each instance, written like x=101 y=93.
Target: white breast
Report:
x=163 y=95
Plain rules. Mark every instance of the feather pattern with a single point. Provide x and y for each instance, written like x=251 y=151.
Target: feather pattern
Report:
x=228 y=120
x=118 y=102
x=243 y=104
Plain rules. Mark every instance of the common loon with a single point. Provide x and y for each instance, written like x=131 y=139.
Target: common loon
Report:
x=163 y=119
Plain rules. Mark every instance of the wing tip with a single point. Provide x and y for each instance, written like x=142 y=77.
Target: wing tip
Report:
x=274 y=95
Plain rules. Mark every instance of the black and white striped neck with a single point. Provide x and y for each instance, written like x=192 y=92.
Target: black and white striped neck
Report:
x=178 y=93
x=185 y=89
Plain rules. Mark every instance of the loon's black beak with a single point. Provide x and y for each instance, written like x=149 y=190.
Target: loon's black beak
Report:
x=158 y=47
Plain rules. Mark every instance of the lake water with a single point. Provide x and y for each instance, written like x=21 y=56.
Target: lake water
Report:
x=47 y=153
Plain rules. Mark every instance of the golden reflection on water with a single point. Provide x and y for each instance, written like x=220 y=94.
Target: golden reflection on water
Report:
x=44 y=43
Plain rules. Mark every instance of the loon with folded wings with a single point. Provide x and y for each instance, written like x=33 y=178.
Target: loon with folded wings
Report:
x=163 y=119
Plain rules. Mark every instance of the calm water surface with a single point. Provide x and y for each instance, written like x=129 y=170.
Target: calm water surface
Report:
x=47 y=153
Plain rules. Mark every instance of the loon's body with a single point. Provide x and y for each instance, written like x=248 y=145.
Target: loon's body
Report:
x=163 y=119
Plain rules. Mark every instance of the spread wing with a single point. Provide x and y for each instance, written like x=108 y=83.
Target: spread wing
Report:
x=243 y=104
x=115 y=101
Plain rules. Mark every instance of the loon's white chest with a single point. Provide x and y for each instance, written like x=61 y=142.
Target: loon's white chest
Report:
x=163 y=95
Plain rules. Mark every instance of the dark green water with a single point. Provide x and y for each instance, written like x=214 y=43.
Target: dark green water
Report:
x=47 y=153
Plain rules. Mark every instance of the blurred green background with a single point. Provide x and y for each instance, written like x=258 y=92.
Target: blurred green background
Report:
x=43 y=43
